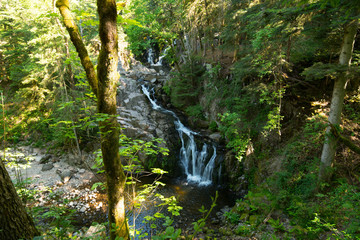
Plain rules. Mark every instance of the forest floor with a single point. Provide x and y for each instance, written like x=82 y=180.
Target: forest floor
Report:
x=53 y=182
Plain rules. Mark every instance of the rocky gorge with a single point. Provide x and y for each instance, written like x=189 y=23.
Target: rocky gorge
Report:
x=139 y=120
x=55 y=176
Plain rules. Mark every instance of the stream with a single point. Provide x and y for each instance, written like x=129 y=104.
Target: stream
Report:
x=200 y=163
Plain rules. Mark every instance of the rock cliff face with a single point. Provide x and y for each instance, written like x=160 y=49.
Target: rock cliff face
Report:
x=140 y=121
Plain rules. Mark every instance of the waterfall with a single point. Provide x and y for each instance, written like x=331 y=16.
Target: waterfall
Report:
x=151 y=56
x=197 y=165
x=159 y=63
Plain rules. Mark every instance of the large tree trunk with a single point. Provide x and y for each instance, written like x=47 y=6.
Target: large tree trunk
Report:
x=104 y=87
x=329 y=148
x=15 y=223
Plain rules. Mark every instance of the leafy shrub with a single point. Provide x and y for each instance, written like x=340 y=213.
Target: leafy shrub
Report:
x=195 y=111
x=213 y=126
x=233 y=217
x=187 y=84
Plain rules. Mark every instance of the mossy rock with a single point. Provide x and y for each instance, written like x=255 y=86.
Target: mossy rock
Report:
x=244 y=217
x=242 y=207
x=225 y=231
x=255 y=219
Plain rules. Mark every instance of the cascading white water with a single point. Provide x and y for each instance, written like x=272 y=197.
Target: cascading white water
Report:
x=196 y=166
x=151 y=56
x=159 y=63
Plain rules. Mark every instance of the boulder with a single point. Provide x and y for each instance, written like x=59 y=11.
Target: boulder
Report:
x=65 y=175
x=45 y=159
x=215 y=136
x=47 y=167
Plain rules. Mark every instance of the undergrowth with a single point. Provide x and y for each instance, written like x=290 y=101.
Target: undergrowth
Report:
x=290 y=200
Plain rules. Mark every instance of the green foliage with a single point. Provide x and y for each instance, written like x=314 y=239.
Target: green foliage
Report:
x=200 y=224
x=136 y=35
x=169 y=233
x=272 y=96
x=148 y=23
x=277 y=224
x=319 y=226
x=233 y=217
x=186 y=85
x=60 y=219
x=237 y=141
x=243 y=230
x=195 y=111
x=131 y=150
x=213 y=126
x=25 y=193
x=42 y=70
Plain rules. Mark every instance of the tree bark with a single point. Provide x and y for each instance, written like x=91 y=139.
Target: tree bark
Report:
x=73 y=30
x=108 y=77
x=104 y=86
x=15 y=223
x=329 y=148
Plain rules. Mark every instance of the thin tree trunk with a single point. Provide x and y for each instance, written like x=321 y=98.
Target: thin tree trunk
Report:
x=104 y=86
x=110 y=129
x=15 y=223
x=73 y=30
x=329 y=148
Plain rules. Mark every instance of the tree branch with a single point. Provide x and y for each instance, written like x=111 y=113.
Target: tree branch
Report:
x=71 y=27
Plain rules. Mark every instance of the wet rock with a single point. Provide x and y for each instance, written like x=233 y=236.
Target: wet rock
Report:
x=215 y=136
x=47 y=167
x=45 y=159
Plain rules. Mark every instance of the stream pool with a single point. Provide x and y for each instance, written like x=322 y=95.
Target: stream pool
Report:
x=191 y=197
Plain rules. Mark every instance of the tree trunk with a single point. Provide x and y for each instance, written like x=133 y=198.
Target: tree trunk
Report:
x=15 y=223
x=329 y=148
x=73 y=30
x=104 y=86
x=108 y=77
